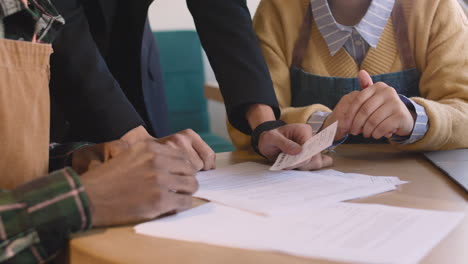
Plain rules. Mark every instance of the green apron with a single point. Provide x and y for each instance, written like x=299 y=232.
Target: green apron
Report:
x=308 y=88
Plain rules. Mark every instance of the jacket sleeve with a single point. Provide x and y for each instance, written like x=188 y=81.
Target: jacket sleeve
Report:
x=37 y=218
x=226 y=33
x=269 y=27
x=82 y=85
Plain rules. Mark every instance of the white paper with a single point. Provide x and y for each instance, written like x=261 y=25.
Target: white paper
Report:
x=312 y=147
x=364 y=178
x=251 y=186
x=358 y=233
x=212 y=224
x=365 y=233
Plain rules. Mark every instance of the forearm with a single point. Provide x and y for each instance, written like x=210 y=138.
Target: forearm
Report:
x=226 y=33
x=259 y=113
x=38 y=217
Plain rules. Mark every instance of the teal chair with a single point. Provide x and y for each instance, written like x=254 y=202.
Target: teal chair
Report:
x=184 y=79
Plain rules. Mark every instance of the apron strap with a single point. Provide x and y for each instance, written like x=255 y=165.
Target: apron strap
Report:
x=401 y=35
x=399 y=25
x=300 y=47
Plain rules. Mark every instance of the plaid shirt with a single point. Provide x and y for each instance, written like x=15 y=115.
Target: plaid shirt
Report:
x=36 y=21
x=37 y=217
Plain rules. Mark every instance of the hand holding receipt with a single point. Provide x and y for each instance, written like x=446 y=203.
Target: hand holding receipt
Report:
x=312 y=147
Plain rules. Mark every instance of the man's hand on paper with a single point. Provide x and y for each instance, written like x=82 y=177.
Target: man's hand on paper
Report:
x=187 y=141
x=190 y=143
x=289 y=139
x=136 y=135
x=91 y=156
x=145 y=181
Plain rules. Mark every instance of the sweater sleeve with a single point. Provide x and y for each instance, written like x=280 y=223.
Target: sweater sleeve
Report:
x=269 y=26
x=444 y=83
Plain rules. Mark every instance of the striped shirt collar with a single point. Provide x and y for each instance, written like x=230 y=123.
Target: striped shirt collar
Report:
x=370 y=27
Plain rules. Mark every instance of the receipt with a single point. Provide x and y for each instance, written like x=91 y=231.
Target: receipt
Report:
x=312 y=147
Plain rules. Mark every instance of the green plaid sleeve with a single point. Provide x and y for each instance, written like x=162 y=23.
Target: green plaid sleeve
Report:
x=37 y=218
x=32 y=20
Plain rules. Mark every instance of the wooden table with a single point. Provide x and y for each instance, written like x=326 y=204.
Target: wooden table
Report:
x=429 y=189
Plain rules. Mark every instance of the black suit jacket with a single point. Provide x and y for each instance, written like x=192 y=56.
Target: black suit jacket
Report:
x=105 y=75
x=106 y=52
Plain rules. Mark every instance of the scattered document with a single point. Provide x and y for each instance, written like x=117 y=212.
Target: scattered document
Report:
x=251 y=186
x=212 y=224
x=367 y=233
x=312 y=147
x=364 y=178
x=362 y=233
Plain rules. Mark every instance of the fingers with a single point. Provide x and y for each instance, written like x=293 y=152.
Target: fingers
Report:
x=375 y=119
x=286 y=145
x=175 y=165
x=317 y=162
x=206 y=154
x=364 y=79
x=288 y=139
x=367 y=102
x=167 y=201
x=183 y=184
x=386 y=128
x=340 y=113
x=363 y=115
x=190 y=143
x=357 y=103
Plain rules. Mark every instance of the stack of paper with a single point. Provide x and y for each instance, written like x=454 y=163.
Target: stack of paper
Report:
x=251 y=186
x=344 y=231
x=302 y=213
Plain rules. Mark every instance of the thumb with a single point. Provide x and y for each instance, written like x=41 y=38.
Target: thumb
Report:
x=287 y=146
x=364 y=79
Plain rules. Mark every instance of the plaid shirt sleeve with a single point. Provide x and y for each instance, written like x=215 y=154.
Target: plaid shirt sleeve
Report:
x=27 y=20
x=37 y=218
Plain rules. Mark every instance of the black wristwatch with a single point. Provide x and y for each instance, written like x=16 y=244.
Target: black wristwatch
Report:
x=265 y=126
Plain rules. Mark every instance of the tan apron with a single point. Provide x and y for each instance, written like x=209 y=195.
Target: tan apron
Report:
x=24 y=111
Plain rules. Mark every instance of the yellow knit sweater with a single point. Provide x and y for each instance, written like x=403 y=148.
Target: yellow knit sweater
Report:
x=438 y=34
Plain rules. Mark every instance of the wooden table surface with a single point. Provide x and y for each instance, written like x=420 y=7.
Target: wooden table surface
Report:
x=428 y=189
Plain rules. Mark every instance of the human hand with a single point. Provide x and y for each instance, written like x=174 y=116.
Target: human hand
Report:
x=91 y=156
x=377 y=111
x=190 y=143
x=289 y=139
x=339 y=114
x=142 y=183
x=136 y=135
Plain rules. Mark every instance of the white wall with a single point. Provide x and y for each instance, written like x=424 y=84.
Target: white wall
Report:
x=174 y=15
